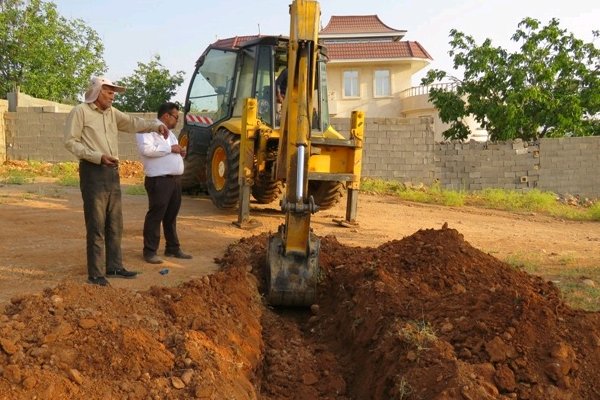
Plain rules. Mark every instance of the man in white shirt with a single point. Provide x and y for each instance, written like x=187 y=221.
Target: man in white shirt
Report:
x=163 y=166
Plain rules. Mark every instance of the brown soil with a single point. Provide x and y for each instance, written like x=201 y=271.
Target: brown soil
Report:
x=426 y=316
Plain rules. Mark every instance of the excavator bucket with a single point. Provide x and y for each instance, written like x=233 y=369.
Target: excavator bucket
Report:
x=292 y=277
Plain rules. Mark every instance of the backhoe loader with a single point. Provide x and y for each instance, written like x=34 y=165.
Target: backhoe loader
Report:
x=242 y=143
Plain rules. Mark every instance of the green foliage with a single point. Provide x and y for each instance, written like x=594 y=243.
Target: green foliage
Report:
x=533 y=200
x=17 y=177
x=420 y=194
x=500 y=199
x=136 y=190
x=22 y=172
x=44 y=54
x=578 y=284
x=65 y=169
x=67 y=173
x=549 y=88
x=594 y=211
x=525 y=262
x=68 y=180
x=150 y=85
x=380 y=186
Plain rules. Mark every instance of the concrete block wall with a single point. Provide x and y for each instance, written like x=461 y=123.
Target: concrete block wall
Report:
x=396 y=148
x=571 y=165
x=37 y=133
x=476 y=165
x=404 y=150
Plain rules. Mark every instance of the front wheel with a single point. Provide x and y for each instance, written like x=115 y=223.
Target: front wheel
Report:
x=222 y=169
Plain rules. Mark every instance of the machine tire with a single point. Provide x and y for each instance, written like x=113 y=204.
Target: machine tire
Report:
x=194 y=173
x=193 y=179
x=326 y=193
x=222 y=169
x=265 y=190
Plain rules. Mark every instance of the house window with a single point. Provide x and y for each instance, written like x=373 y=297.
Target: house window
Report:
x=381 y=83
x=351 y=84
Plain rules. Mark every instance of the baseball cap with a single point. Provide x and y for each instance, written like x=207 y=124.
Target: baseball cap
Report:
x=95 y=86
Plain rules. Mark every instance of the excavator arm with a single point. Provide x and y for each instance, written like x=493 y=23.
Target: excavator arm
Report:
x=293 y=251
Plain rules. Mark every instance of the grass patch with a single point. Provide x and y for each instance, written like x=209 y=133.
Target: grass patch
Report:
x=136 y=190
x=64 y=169
x=499 y=199
x=67 y=173
x=566 y=259
x=21 y=172
x=580 y=287
x=420 y=194
x=512 y=200
x=529 y=264
x=594 y=211
x=579 y=296
x=68 y=180
x=17 y=177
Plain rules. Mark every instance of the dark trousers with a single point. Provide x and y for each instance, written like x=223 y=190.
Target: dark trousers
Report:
x=164 y=201
x=101 y=192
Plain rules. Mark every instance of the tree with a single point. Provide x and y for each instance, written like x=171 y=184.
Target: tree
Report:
x=549 y=88
x=151 y=85
x=44 y=54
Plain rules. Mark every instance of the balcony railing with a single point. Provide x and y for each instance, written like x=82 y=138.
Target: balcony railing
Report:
x=420 y=90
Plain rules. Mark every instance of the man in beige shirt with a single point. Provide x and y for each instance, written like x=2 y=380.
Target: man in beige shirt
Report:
x=91 y=135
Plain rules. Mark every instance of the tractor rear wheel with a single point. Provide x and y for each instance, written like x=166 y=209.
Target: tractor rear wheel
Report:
x=265 y=190
x=222 y=169
x=326 y=193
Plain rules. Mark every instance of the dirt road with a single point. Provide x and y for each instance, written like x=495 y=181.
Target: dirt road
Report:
x=42 y=240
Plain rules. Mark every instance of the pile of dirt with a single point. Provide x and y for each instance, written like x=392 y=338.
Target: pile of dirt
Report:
x=425 y=317
x=430 y=317
x=41 y=168
x=131 y=169
x=200 y=340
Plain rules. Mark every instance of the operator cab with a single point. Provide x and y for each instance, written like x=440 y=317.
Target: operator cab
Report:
x=231 y=70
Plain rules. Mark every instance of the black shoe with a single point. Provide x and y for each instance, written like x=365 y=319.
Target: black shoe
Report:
x=121 y=273
x=153 y=259
x=99 y=280
x=177 y=254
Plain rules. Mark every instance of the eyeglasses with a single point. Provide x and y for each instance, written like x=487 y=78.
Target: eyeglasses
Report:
x=175 y=116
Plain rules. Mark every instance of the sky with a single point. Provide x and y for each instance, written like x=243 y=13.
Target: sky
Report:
x=135 y=30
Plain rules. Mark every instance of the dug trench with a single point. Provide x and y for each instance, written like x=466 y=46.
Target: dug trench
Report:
x=425 y=317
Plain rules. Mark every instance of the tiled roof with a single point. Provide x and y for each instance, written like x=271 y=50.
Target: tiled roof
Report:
x=354 y=24
x=375 y=50
x=234 y=42
x=351 y=50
